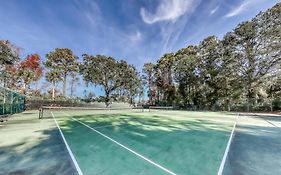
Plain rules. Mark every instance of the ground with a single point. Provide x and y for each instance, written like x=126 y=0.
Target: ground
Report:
x=136 y=142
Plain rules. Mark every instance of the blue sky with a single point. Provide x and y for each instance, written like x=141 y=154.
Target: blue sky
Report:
x=136 y=30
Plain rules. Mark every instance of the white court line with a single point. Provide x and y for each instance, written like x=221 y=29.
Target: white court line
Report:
x=227 y=148
x=68 y=148
x=123 y=146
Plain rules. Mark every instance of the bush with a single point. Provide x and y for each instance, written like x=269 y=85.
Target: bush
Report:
x=276 y=104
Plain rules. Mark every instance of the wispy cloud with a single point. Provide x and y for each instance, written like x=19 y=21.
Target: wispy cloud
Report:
x=135 y=37
x=214 y=10
x=239 y=9
x=90 y=10
x=168 y=10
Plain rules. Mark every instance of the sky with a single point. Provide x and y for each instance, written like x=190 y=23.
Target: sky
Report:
x=138 y=31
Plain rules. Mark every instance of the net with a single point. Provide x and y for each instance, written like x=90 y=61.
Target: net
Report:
x=11 y=102
x=157 y=108
x=46 y=111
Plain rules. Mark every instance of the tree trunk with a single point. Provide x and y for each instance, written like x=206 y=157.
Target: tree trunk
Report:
x=107 y=99
x=36 y=85
x=150 y=95
x=24 y=88
x=53 y=91
x=72 y=88
x=64 y=85
x=249 y=96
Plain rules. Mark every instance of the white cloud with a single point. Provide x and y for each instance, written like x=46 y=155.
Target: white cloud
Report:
x=239 y=9
x=168 y=10
x=214 y=10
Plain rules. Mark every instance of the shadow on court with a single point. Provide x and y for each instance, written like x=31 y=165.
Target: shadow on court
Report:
x=27 y=149
x=255 y=150
x=192 y=147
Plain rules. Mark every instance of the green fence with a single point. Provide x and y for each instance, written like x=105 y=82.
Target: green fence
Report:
x=11 y=102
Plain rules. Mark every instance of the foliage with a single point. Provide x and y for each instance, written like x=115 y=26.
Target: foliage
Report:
x=149 y=80
x=242 y=69
x=53 y=77
x=186 y=75
x=29 y=70
x=9 y=53
x=62 y=61
x=112 y=75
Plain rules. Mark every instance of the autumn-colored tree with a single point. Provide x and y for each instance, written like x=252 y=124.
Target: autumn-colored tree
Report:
x=29 y=70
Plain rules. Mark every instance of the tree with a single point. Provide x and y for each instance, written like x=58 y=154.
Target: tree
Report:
x=74 y=80
x=243 y=66
x=53 y=77
x=106 y=72
x=211 y=68
x=186 y=75
x=149 y=79
x=62 y=61
x=9 y=55
x=29 y=70
x=164 y=78
x=257 y=56
x=90 y=97
x=133 y=85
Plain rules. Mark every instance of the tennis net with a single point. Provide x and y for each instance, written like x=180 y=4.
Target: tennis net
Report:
x=158 y=108
x=46 y=111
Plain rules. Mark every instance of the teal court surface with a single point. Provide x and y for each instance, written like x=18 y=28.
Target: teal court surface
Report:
x=135 y=142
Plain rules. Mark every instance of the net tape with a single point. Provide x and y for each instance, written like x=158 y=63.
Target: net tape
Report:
x=53 y=108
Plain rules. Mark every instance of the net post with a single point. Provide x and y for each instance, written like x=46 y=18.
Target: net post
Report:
x=41 y=112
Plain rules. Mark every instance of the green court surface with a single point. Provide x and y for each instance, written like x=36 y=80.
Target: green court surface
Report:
x=128 y=142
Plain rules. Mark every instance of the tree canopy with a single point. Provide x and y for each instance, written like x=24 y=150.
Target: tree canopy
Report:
x=112 y=75
x=236 y=70
x=62 y=61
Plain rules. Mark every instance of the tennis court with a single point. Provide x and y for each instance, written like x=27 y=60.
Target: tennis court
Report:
x=136 y=142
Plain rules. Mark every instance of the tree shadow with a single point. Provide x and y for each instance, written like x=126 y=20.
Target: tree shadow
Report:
x=195 y=145
x=255 y=150
x=48 y=156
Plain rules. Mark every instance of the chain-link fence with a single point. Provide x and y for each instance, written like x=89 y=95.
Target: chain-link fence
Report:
x=11 y=102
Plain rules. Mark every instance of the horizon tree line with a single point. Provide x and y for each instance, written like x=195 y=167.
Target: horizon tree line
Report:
x=119 y=80
x=241 y=69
